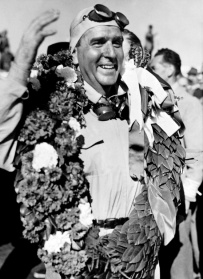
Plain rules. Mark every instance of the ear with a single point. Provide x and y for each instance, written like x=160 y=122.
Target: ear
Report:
x=75 y=56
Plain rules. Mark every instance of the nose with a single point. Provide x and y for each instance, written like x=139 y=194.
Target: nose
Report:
x=109 y=50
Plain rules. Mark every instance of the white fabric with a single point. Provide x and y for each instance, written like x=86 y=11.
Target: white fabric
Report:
x=191 y=112
x=161 y=118
x=104 y=232
x=106 y=165
x=146 y=79
x=190 y=189
x=129 y=76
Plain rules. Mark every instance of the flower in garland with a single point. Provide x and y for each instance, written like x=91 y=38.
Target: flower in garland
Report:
x=34 y=73
x=38 y=125
x=44 y=156
x=68 y=74
x=75 y=125
x=56 y=241
x=86 y=216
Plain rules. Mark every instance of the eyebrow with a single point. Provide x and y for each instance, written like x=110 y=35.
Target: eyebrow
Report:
x=105 y=38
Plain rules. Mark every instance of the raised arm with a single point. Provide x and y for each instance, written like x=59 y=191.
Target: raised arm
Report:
x=13 y=87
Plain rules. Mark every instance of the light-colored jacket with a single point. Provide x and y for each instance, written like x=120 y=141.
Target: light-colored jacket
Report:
x=11 y=108
x=191 y=112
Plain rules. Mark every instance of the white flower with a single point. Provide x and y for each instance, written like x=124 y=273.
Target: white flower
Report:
x=59 y=67
x=75 y=125
x=86 y=216
x=130 y=64
x=70 y=84
x=56 y=241
x=44 y=156
x=34 y=73
x=67 y=73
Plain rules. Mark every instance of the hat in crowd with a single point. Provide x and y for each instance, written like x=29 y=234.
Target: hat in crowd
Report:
x=88 y=18
x=56 y=47
x=193 y=71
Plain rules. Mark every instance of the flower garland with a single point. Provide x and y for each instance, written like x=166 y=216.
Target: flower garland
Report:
x=50 y=184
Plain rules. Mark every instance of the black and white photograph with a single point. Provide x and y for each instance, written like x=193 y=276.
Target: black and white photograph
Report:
x=101 y=139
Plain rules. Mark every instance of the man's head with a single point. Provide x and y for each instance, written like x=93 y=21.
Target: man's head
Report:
x=167 y=64
x=193 y=76
x=96 y=44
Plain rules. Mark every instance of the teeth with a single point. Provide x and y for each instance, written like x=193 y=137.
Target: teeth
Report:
x=107 y=67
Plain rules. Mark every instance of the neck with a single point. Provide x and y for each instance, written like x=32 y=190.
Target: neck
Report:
x=107 y=91
x=110 y=91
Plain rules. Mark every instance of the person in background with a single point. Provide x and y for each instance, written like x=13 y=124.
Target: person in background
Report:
x=24 y=255
x=6 y=59
x=193 y=83
x=183 y=81
x=6 y=56
x=179 y=252
x=4 y=41
x=149 y=40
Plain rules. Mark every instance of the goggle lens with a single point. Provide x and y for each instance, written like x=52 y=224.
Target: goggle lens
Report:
x=122 y=19
x=103 y=11
x=102 y=14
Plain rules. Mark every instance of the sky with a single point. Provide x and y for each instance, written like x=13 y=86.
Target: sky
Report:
x=178 y=24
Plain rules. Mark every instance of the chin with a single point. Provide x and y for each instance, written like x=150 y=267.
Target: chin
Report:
x=109 y=81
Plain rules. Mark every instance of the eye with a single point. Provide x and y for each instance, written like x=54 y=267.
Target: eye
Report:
x=118 y=43
x=98 y=42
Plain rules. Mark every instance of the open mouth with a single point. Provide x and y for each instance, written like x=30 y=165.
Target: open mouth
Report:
x=108 y=67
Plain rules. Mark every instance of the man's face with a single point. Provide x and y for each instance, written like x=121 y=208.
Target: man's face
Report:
x=100 y=56
x=160 y=67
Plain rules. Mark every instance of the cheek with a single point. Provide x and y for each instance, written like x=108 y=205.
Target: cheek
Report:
x=159 y=71
x=120 y=56
x=164 y=74
x=88 y=59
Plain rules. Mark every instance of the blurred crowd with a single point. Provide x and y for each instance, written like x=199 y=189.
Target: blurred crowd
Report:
x=193 y=83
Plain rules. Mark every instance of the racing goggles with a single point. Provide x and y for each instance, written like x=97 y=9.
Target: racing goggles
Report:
x=102 y=14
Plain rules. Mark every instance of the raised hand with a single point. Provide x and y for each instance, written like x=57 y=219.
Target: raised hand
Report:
x=30 y=42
